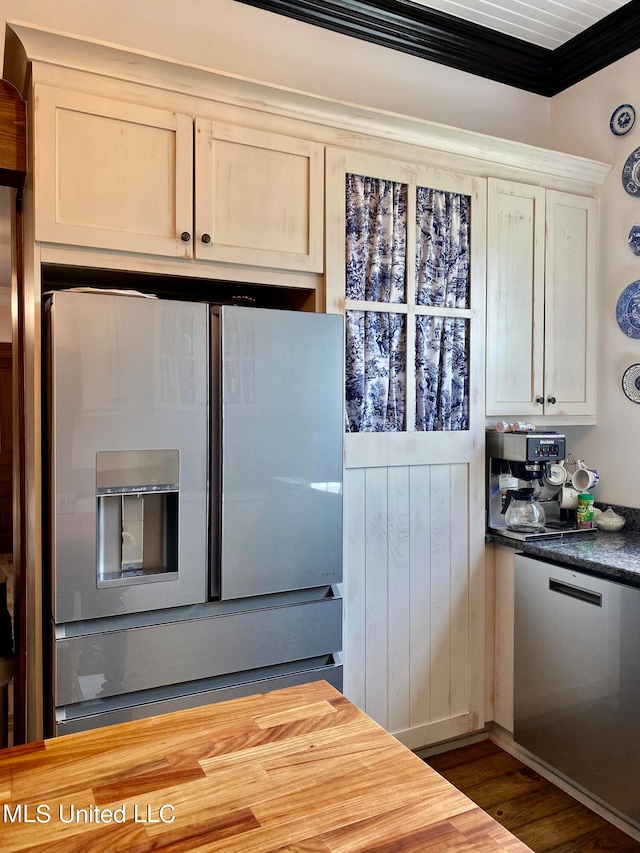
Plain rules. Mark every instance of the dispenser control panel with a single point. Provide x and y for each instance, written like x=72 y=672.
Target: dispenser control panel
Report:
x=526 y=446
x=546 y=450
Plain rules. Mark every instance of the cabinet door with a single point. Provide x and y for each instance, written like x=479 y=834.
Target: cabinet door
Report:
x=259 y=198
x=515 y=298
x=570 y=305
x=112 y=175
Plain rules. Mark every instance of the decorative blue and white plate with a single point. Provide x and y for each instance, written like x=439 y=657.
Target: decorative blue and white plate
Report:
x=622 y=119
x=628 y=310
x=634 y=238
x=631 y=383
x=631 y=173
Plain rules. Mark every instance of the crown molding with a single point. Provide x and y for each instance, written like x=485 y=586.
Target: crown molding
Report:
x=34 y=54
x=436 y=36
x=607 y=41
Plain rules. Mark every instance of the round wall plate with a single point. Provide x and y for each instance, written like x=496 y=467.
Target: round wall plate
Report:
x=631 y=173
x=622 y=119
x=634 y=238
x=628 y=310
x=631 y=383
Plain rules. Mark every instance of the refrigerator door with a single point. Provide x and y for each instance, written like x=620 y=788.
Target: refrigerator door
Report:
x=278 y=523
x=128 y=385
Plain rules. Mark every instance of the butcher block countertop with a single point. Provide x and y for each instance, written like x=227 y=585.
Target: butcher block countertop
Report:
x=299 y=770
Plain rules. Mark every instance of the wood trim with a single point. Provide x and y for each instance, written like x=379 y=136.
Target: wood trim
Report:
x=20 y=532
x=13 y=137
x=448 y=40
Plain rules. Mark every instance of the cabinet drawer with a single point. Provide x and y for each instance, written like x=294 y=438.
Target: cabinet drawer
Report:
x=114 y=663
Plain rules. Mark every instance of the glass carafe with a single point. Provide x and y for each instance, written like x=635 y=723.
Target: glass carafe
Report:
x=522 y=512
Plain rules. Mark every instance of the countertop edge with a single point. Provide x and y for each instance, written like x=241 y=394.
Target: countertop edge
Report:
x=613 y=556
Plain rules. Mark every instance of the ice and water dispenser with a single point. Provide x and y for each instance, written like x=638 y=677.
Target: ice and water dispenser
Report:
x=137 y=499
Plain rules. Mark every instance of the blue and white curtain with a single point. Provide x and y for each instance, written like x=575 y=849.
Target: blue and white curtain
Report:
x=442 y=280
x=376 y=355
x=376 y=352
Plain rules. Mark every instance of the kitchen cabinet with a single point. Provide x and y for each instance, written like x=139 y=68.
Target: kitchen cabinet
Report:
x=541 y=279
x=258 y=198
x=120 y=176
x=112 y=175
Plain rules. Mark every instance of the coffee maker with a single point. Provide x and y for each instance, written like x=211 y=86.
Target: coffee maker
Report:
x=519 y=464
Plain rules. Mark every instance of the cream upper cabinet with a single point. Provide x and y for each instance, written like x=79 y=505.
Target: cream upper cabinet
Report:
x=258 y=198
x=570 y=305
x=112 y=175
x=119 y=176
x=541 y=268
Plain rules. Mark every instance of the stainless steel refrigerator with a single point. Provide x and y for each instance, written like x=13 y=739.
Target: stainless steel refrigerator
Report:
x=194 y=503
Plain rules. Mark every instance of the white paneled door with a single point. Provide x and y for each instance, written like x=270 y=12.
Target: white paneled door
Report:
x=414 y=522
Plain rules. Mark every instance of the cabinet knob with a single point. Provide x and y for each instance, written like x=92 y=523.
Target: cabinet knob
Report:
x=540 y=399
x=185 y=236
x=551 y=400
x=206 y=238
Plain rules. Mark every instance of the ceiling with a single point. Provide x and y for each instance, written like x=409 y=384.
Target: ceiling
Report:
x=547 y=23
x=541 y=46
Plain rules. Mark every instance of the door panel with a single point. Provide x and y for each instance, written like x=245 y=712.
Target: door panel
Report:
x=281 y=446
x=122 y=424
x=570 y=304
x=414 y=509
x=515 y=296
x=112 y=175
x=258 y=198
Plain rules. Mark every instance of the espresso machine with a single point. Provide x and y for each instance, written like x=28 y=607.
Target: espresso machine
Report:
x=520 y=475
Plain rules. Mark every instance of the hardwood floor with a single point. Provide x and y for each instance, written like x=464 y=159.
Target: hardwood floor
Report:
x=537 y=812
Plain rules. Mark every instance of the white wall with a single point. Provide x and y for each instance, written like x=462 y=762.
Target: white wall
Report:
x=230 y=36
x=580 y=124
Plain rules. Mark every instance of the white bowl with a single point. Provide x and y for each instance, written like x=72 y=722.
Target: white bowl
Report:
x=609 y=521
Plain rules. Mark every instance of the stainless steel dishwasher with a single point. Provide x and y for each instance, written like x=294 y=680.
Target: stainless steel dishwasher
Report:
x=577 y=679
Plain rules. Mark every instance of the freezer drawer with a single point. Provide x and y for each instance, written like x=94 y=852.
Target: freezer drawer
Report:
x=119 y=662
x=577 y=679
x=136 y=706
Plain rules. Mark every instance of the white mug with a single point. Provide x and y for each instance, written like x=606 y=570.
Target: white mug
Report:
x=558 y=475
x=548 y=491
x=584 y=478
x=568 y=497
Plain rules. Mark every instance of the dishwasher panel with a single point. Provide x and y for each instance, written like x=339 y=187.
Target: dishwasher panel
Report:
x=577 y=679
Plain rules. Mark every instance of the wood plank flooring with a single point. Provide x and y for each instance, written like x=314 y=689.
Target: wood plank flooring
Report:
x=545 y=818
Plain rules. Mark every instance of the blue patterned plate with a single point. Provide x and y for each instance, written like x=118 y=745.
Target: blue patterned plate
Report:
x=628 y=310
x=631 y=383
x=622 y=120
x=634 y=238
x=631 y=173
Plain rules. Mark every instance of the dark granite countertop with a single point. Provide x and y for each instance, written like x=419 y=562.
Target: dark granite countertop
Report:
x=615 y=556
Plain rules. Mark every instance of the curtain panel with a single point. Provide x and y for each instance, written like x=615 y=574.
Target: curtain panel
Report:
x=376 y=341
